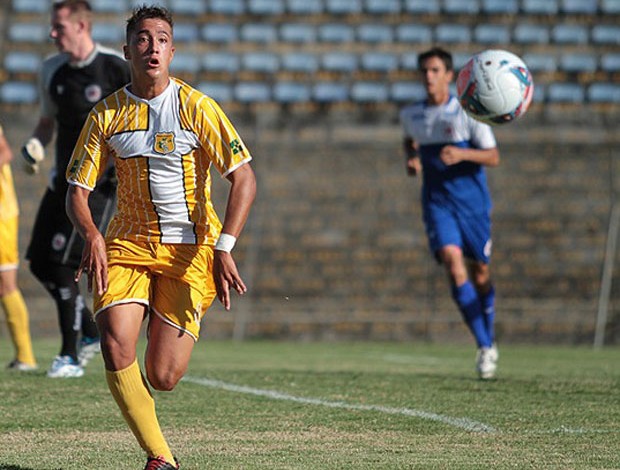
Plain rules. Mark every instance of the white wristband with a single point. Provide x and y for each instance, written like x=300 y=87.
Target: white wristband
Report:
x=225 y=243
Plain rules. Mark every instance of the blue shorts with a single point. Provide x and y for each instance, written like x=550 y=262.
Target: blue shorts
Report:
x=471 y=232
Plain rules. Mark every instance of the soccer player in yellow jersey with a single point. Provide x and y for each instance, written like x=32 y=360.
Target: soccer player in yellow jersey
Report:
x=10 y=296
x=165 y=255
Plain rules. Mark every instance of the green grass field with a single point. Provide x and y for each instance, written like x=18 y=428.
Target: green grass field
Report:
x=272 y=405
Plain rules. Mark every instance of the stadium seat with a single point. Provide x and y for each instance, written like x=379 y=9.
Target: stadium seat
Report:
x=492 y=34
x=227 y=7
x=565 y=93
x=409 y=61
x=377 y=61
x=261 y=33
x=28 y=32
x=265 y=7
x=110 y=33
x=540 y=62
x=500 y=7
x=540 y=7
x=31 y=6
x=577 y=62
x=330 y=92
x=186 y=32
x=373 y=33
x=414 y=33
x=22 y=62
x=382 y=7
x=291 y=92
x=407 y=92
x=610 y=62
x=569 y=34
x=604 y=93
x=369 y=92
x=18 y=93
x=299 y=62
x=461 y=7
x=252 y=92
x=109 y=6
x=526 y=33
x=540 y=93
x=336 y=33
x=610 y=7
x=343 y=7
x=219 y=33
x=220 y=62
x=219 y=91
x=421 y=6
x=185 y=62
x=260 y=62
x=608 y=34
x=452 y=33
x=137 y=3
x=338 y=61
x=188 y=7
x=297 y=33
x=459 y=59
x=582 y=7
x=304 y=7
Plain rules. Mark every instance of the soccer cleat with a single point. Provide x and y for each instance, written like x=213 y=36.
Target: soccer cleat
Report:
x=494 y=353
x=89 y=347
x=485 y=365
x=64 y=367
x=20 y=366
x=158 y=463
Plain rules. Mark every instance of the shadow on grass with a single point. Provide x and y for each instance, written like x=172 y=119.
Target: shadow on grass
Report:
x=14 y=467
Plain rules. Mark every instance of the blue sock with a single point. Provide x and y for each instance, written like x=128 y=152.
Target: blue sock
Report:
x=488 y=307
x=469 y=304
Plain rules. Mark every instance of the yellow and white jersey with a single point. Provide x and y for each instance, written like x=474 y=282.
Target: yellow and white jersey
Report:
x=163 y=149
x=8 y=199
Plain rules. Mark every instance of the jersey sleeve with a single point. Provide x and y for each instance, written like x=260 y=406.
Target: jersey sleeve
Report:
x=482 y=136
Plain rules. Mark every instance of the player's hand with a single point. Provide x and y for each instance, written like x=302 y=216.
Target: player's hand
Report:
x=414 y=166
x=32 y=154
x=94 y=264
x=450 y=155
x=226 y=277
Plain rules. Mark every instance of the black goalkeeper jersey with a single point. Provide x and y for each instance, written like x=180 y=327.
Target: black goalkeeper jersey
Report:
x=70 y=90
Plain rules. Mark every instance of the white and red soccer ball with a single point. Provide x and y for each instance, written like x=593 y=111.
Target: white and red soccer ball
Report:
x=495 y=87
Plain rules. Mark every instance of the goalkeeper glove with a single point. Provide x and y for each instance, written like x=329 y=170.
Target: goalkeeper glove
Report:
x=32 y=153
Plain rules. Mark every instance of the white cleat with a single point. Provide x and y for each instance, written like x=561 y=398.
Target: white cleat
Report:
x=64 y=367
x=486 y=364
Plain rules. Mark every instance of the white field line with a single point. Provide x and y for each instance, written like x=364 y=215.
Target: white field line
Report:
x=463 y=423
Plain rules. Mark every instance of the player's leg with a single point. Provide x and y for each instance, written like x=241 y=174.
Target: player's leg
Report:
x=480 y=274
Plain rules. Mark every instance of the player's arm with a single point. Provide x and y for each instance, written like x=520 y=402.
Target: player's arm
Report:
x=452 y=155
x=94 y=261
x=414 y=165
x=33 y=151
x=240 y=199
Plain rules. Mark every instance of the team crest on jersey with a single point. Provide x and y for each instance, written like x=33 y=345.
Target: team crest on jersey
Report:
x=164 y=143
x=93 y=93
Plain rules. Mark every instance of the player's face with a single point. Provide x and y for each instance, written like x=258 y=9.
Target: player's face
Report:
x=436 y=78
x=150 y=49
x=66 y=30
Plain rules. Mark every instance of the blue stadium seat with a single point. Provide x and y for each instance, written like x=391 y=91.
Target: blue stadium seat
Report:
x=540 y=62
x=608 y=34
x=382 y=7
x=339 y=61
x=28 y=32
x=414 y=33
x=291 y=92
x=298 y=33
x=407 y=92
x=261 y=33
x=185 y=62
x=569 y=34
x=109 y=6
x=252 y=92
x=459 y=59
x=227 y=7
x=299 y=62
x=265 y=7
x=219 y=33
x=526 y=33
x=610 y=62
x=610 y=7
x=578 y=62
x=582 y=7
x=304 y=7
x=461 y=7
x=409 y=61
x=604 y=93
x=374 y=33
x=369 y=92
x=540 y=93
x=452 y=33
x=137 y=3
x=336 y=33
x=565 y=92
x=220 y=62
x=500 y=7
x=330 y=92
x=31 y=6
x=540 y=7
x=219 y=91
x=260 y=62
x=377 y=61
x=492 y=34
x=422 y=6
x=111 y=33
x=343 y=7
x=22 y=62
x=186 y=32
x=18 y=93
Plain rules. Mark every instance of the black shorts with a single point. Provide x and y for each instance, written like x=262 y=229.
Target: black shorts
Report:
x=54 y=240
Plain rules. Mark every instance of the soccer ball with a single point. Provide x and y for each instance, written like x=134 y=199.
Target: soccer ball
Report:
x=495 y=87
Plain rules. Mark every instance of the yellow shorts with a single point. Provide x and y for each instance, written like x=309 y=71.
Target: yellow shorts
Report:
x=174 y=280
x=9 y=255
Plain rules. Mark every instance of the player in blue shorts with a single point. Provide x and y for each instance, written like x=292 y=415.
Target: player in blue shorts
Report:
x=450 y=150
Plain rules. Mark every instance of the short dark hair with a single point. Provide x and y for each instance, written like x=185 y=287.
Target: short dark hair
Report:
x=146 y=12
x=79 y=7
x=438 y=52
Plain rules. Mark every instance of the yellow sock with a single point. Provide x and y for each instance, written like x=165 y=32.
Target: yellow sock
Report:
x=19 y=326
x=133 y=397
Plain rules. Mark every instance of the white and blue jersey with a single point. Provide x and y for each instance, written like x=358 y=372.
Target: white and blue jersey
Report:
x=455 y=198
